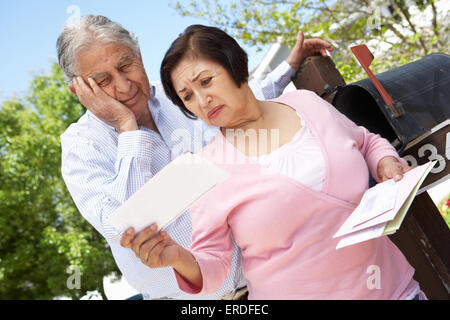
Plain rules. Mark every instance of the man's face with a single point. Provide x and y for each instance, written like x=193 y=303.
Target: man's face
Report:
x=119 y=73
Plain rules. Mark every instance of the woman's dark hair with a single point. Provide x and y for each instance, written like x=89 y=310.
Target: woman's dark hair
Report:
x=206 y=42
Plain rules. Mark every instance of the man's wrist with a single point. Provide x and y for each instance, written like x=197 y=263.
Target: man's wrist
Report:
x=130 y=125
x=295 y=64
x=138 y=143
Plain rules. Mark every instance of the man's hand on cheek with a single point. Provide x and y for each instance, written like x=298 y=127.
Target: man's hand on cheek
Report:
x=103 y=106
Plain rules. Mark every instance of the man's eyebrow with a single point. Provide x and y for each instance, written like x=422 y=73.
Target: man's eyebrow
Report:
x=98 y=75
x=193 y=80
x=104 y=74
x=123 y=59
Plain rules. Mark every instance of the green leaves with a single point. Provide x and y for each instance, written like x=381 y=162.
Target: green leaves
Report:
x=42 y=231
x=397 y=31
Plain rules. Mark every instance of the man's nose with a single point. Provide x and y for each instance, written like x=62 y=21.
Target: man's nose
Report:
x=123 y=84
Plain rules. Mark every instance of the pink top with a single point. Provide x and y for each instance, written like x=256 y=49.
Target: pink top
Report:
x=285 y=229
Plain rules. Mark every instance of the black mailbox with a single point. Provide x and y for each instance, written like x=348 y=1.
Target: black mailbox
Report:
x=421 y=88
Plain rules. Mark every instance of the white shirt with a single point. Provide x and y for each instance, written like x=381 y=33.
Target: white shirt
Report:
x=300 y=159
x=102 y=169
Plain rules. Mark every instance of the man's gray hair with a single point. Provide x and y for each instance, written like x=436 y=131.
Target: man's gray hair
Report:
x=85 y=32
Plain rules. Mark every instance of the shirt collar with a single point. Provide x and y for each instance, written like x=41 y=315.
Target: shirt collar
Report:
x=154 y=105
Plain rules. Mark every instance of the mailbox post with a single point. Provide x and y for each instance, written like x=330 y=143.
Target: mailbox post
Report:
x=420 y=133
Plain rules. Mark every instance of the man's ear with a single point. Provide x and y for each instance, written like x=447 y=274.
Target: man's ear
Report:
x=140 y=56
x=72 y=89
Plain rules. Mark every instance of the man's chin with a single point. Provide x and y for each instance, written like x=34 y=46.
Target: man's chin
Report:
x=137 y=107
x=139 y=102
x=141 y=113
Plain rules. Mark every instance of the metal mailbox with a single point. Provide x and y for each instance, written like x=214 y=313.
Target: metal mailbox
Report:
x=423 y=89
x=422 y=130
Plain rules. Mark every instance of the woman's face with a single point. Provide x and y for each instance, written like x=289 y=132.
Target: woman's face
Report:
x=208 y=91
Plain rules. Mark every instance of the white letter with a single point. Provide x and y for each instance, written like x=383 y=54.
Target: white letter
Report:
x=263 y=309
x=374 y=281
x=74 y=281
x=76 y=14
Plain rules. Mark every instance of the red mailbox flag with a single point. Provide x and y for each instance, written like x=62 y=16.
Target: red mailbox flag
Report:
x=365 y=58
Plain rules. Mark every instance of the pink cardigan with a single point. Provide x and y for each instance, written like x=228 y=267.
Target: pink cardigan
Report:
x=285 y=229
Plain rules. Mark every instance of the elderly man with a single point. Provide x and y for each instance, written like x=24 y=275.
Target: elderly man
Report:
x=129 y=132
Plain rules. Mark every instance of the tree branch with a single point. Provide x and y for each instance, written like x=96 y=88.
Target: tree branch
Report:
x=396 y=32
x=405 y=15
x=434 y=22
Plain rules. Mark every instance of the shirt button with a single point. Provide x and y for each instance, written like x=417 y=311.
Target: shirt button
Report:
x=147 y=145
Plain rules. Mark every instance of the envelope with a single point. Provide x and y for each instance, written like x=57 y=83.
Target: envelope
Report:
x=169 y=193
x=406 y=187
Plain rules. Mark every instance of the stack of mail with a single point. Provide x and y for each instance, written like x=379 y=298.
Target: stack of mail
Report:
x=382 y=208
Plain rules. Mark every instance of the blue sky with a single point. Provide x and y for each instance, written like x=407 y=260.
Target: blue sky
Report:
x=29 y=29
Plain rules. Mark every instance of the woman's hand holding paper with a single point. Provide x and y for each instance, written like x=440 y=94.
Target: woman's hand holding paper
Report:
x=390 y=167
x=157 y=249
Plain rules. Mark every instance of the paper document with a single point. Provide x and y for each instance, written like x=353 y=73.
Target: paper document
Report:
x=375 y=201
x=362 y=235
x=169 y=193
x=382 y=208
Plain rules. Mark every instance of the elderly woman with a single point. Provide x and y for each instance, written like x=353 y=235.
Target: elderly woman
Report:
x=283 y=201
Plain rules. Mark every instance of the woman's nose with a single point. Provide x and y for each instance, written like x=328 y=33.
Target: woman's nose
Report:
x=205 y=100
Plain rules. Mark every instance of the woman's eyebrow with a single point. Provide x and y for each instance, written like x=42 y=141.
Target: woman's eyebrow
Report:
x=193 y=80
x=198 y=75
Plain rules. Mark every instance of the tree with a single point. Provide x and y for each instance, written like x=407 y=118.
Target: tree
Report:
x=397 y=31
x=43 y=235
